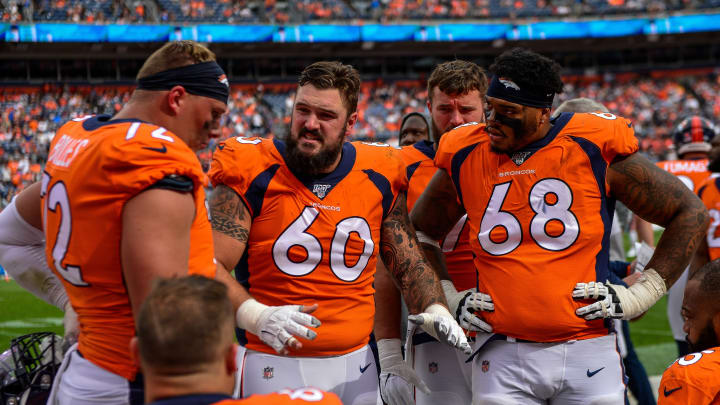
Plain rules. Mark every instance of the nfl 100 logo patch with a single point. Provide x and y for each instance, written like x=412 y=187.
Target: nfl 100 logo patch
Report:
x=320 y=190
x=433 y=367
x=485 y=366
x=268 y=373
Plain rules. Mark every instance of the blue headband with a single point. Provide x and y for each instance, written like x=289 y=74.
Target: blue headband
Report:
x=508 y=90
x=205 y=79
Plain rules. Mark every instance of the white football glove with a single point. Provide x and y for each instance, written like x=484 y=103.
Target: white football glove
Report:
x=275 y=326
x=620 y=302
x=72 y=327
x=464 y=304
x=397 y=378
x=438 y=323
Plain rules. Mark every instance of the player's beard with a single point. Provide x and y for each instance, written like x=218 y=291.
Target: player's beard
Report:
x=316 y=163
x=437 y=132
x=706 y=340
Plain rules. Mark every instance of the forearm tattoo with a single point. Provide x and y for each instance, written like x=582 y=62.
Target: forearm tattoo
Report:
x=660 y=198
x=228 y=213
x=402 y=255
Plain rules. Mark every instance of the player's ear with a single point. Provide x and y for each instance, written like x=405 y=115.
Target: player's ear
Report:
x=176 y=99
x=716 y=323
x=231 y=359
x=350 y=123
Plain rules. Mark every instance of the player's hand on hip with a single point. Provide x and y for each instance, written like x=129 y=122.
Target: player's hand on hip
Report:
x=437 y=321
x=397 y=378
x=278 y=326
x=72 y=327
x=465 y=305
x=617 y=301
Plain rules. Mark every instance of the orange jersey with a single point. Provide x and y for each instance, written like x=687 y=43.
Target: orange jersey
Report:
x=285 y=397
x=709 y=193
x=691 y=172
x=94 y=167
x=313 y=240
x=692 y=379
x=539 y=221
x=419 y=169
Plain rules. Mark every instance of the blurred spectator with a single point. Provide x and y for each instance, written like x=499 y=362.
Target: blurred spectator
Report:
x=272 y=11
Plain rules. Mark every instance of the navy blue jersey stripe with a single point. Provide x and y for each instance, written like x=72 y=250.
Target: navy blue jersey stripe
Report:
x=457 y=160
x=383 y=185
x=411 y=170
x=426 y=147
x=255 y=194
x=607 y=205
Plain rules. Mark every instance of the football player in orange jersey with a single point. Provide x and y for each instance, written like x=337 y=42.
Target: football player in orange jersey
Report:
x=709 y=193
x=303 y=220
x=122 y=203
x=456 y=90
x=538 y=194
x=185 y=346
x=413 y=128
x=695 y=378
x=692 y=138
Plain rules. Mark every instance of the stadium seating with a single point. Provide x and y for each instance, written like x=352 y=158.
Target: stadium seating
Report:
x=30 y=115
x=284 y=11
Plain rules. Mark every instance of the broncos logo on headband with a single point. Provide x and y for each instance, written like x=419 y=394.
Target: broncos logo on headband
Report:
x=223 y=79
x=509 y=84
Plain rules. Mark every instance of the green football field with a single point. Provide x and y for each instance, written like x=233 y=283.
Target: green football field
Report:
x=21 y=312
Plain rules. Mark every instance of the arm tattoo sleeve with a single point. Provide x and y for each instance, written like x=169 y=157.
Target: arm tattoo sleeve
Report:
x=660 y=198
x=403 y=257
x=228 y=213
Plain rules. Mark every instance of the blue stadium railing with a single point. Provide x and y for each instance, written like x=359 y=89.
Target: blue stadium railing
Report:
x=63 y=32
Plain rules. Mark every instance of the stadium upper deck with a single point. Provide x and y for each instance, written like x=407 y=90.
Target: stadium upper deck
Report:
x=280 y=11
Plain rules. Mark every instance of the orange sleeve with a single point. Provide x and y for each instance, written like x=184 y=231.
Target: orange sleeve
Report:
x=673 y=391
x=614 y=135
x=286 y=397
x=135 y=164
x=236 y=163
x=455 y=140
x=387 y=161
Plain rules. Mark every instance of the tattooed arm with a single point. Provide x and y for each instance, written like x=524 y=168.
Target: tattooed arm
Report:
x=231 y=225
x=434 y=214
x=400 y=251
x=660 y=198
x=276 y=326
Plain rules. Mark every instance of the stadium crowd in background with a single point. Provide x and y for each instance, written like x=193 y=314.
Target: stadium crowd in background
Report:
x=263 y=11
x=30 y=116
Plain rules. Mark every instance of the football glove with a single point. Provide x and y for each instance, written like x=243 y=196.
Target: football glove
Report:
x=277 y=326
x=438 y=323
x=617 y=301
x=397 y=378
x=464 y=304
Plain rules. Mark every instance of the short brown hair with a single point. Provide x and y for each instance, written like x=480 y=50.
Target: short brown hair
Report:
x=173 y=55
x=184 y=323
x=457 y=77
x=334 y=75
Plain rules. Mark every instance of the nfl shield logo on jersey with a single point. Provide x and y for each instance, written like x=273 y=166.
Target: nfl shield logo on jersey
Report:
x=268 y=373
x=433 y=367
x=485 y=366
x=320 y=190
